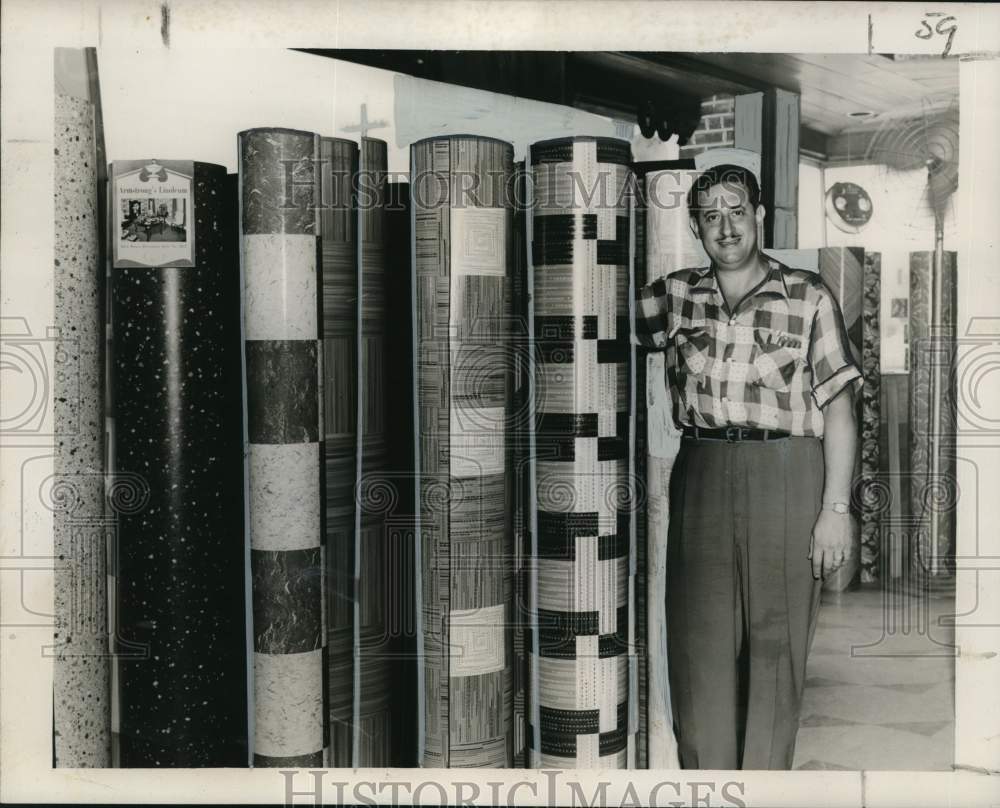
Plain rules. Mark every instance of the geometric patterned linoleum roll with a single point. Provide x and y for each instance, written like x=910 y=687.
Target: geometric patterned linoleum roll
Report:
x=584 y=699
x=932 y=351
x=463 y=215
x=284 y=382
x=178 y=487
x=338 y=231
x=871 y=398
x=81 y=669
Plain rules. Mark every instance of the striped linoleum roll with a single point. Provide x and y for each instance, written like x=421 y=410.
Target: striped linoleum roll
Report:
x=584 y=701
x=178 y=494
x=81 y=665
x=873 y=497
x=933 y=495
x=374 y=726
x=463 y=219
x=338 y=230
x=354 y=329
x=519 y=435
x=279 y=188
x=399 y=497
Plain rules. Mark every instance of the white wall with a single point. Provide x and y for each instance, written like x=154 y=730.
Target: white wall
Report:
x=190 y=104
x=811 y=225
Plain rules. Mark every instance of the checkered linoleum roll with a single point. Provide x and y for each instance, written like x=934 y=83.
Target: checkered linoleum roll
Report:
x=278 y=192
x=463 y=268
x=583 y=695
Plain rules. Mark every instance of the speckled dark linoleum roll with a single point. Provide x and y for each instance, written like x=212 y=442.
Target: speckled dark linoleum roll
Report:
x=278 y=197
x=177 y=445
x=81 y=669
x=464 y=269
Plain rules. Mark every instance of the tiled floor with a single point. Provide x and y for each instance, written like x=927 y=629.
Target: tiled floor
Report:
x=880 y=684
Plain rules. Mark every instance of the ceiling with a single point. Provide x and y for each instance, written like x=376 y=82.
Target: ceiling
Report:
x=899 y=91
x=832 y=86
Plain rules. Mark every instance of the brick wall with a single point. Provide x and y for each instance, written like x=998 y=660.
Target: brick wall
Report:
x=715 y=129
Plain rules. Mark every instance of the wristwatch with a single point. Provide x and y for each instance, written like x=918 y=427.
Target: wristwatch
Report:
x=836 y=507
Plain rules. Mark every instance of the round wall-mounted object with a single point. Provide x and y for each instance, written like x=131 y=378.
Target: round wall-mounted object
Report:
x=848 y=206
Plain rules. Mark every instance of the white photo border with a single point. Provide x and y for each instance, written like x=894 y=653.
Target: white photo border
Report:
x=30 y=31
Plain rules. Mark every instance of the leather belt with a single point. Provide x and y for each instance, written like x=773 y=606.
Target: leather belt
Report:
x=733 y=434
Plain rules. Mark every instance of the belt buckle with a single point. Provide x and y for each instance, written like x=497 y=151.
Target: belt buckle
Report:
x=733 y=434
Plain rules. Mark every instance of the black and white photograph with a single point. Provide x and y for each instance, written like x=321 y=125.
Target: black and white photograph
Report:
x=500 y=403
x=154 y=219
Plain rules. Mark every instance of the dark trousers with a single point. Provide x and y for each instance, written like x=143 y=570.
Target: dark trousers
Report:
x=741 y=600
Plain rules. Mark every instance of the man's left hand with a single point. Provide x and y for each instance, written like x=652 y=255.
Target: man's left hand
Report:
x=831 y=542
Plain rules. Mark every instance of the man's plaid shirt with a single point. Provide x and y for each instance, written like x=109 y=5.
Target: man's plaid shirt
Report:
x=772 y=364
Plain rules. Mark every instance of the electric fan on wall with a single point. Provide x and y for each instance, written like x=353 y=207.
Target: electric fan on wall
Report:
x=929 y=141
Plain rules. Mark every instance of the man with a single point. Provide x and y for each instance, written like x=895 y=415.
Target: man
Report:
x=761 y=377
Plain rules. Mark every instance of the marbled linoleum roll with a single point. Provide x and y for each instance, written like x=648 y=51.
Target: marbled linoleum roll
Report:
x=580 y=276
x=464 y=381
x=178 y=459
x=279 y=190
x=932 y=499
x=872 y=502
x=81 y=670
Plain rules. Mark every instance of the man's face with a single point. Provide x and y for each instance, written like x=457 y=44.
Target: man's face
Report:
x=726 y=223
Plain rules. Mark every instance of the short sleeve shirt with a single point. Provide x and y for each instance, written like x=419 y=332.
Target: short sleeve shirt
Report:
x=773 y=363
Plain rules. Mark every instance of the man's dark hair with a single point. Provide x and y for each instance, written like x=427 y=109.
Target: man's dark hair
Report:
x=727 y=175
